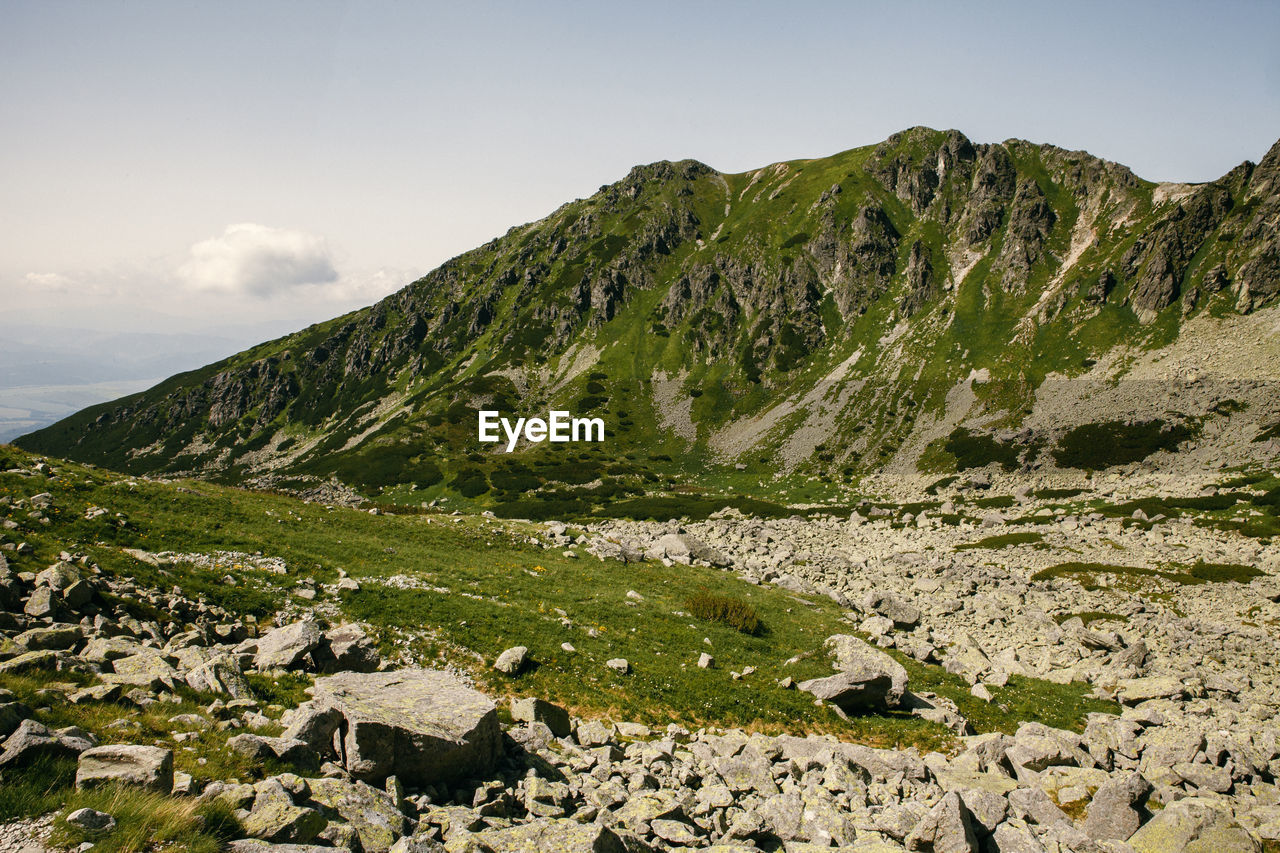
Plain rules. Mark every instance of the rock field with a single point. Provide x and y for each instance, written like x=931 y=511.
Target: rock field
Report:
x=409 y=759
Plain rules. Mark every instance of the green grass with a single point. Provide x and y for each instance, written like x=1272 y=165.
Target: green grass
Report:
x=1088 y=617
x=1004 y=540
x=501 y=591
x=1178 y=573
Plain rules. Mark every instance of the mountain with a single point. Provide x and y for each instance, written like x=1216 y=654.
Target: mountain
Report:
x=885 y=316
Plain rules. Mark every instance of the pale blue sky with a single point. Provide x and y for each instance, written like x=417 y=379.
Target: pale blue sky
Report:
x=356 y=144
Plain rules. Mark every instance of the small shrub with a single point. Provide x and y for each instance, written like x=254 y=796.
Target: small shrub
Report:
x=738 y=615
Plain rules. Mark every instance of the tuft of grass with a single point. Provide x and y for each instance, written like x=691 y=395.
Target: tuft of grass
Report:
x=1003 y=540
x=738 y=615
x=146 y=820
x=288 y=689
x=1088 y=617
x=1178 y=573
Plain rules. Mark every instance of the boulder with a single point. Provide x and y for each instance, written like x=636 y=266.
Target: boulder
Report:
x=59 y=576
x=348 y=649
x=852 y=654
x=1193 y=825
x=129 y=764
x=41 y=660
x=1131 y=691
x=283 y=821
x=91 y=820
x=512 y=660
x=947 y=828
x=220 y=675
x=55 y=637
x=147 y=669
x=31 y=741
x=371 y=812
x=852 y=692
x=288 y=647
x=533 y=710
x=1114 y=812
x=424 y=726
x=901 y=612
x=45 y=603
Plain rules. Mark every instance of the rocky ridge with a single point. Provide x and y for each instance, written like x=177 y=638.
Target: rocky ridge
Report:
x=822 y=316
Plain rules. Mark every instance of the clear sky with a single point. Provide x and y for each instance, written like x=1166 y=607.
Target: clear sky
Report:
x=187 y=166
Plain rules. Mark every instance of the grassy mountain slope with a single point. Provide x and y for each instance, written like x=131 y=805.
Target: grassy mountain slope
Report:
x=811 y=318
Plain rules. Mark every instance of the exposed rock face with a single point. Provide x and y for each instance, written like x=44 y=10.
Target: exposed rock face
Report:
x=421 y=725
x=762 y=275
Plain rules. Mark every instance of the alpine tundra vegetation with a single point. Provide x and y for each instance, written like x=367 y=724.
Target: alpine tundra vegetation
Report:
x=936 y=510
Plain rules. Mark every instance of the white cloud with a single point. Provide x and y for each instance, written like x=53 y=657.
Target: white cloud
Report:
x=48 y=282
x=255 y=260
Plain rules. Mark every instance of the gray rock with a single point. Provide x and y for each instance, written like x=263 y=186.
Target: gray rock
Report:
x=371 y=812
x=55 y=637
x=349 y=649
x=901 y=612
x=421 y=725
x=512 y=660
x=288 y=647
x=29 y=662
x=31 y=741
x=313 y=726
x=550 y=834
x=45 y=603
x=1193 y=825
x=852 y=692
x=534 y=710
x=1114 y=811
x=220 y=675
x=128 y=764
x=147 y=669
x=59 y=576
x=852 y=654
x=947 y=828
x=619 y=665
x=91 y=820
x=282 y=821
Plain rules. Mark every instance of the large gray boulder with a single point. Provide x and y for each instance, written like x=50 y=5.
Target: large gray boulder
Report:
x=288 y=647
x=148 y=767
x=32 y=741
x=1114 y=812
x=852 y=654
x=371 y=812
x=347 y=649
x=852 y=692
x=1193 y=825
x=534 y=710
x=424 y=726
x=947 y=828
x=220 y=675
